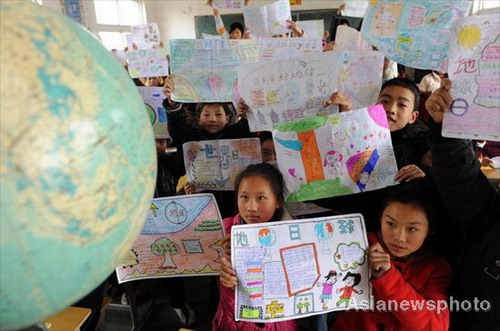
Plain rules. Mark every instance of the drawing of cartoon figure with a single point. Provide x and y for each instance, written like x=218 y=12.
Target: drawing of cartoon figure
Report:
x=330 y=280
x=351 y=280
x=333 y=163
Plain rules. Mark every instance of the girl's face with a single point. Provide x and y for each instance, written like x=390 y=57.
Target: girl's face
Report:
x=404 y=228
x=257 y=202
x=349 y=281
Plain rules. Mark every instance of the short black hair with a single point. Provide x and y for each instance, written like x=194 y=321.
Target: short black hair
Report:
x=344 y=21
x=419 y=193
x=200 y=106
x=236 y=25
x=357 y=278
x=273 y=177
x=405 y=83
x=264 y=136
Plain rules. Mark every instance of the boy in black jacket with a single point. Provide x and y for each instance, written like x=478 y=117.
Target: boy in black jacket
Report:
x=212 y=121
x=474 y=207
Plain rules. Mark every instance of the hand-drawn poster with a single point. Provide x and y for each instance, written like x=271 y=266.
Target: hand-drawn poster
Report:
x=268 y=20
x=475 y=73
x=286 y=90
x=299 y=268
x=214 y=164
x=205 y=70
x=236 y=4
x=182 y=236
x=327 y=156
x=312 y=28
x=144 y=36
x=349 y=39
x=153 y=98
x=285 y=48
x=147 y=63
x=414 y=33
x=355 y=8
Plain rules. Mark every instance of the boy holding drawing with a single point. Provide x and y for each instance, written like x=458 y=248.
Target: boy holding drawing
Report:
x=212 y=124
x=474 y=208
x=400 y=98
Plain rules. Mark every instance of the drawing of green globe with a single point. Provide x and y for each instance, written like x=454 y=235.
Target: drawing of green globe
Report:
x=77 y=164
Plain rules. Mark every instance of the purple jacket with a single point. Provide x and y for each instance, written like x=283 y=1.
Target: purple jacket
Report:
x=224 y=317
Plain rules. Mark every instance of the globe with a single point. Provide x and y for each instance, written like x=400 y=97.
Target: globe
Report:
x=78 y=163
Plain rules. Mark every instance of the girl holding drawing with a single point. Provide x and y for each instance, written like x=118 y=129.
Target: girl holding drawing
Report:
x=409 y=280
x=259 y=195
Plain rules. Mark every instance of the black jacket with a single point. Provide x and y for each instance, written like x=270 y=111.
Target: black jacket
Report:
x=474 y=208
x=183 y=132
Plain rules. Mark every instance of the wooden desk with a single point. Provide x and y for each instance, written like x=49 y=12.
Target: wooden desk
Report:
x=68 y=320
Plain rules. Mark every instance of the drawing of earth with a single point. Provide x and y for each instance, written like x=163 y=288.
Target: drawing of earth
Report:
x=267 y=237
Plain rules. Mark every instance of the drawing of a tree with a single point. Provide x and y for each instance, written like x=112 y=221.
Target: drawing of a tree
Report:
x=164 y=246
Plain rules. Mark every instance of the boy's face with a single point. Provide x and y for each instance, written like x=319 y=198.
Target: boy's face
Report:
x=404 y=228
x=398 y=103
x=161 y=146
x=268 y=151
x=236 y=34
x=213 y=118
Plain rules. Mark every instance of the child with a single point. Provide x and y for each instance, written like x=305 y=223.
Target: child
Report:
x=474 y=208
x=400 y=98
x=236 y=31
x=405 y=270
x=267 y=147
x=212 y=123
x=326 y=294
x=259 y=195
x=351 y=280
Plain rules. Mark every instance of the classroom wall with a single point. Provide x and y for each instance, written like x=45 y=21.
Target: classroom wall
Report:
x=175 y=18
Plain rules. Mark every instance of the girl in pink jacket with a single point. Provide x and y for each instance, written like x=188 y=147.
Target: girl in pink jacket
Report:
x=259 y=193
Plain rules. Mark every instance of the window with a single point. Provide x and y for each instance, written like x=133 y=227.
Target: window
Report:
x=114 y=18
x=480 y=5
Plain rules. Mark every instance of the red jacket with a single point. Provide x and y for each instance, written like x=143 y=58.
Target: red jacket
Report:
x=224 y=317
x=423 y=280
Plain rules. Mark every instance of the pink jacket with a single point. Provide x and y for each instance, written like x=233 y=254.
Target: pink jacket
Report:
x=422 y=281
x=224 y=317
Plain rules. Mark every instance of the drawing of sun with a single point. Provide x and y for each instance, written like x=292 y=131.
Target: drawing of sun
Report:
x=469 y=36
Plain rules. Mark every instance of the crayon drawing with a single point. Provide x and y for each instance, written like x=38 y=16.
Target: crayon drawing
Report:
x=205 y=70
x=153 y=98
x=292 y=278
x=236 y=4
x=284 y=48
x=182 y=236
x=413 y=33
x=214 y=164
x=281 y=91
x=326 y=156
x=474 y=69
x=147 y=63
x=268 y=20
